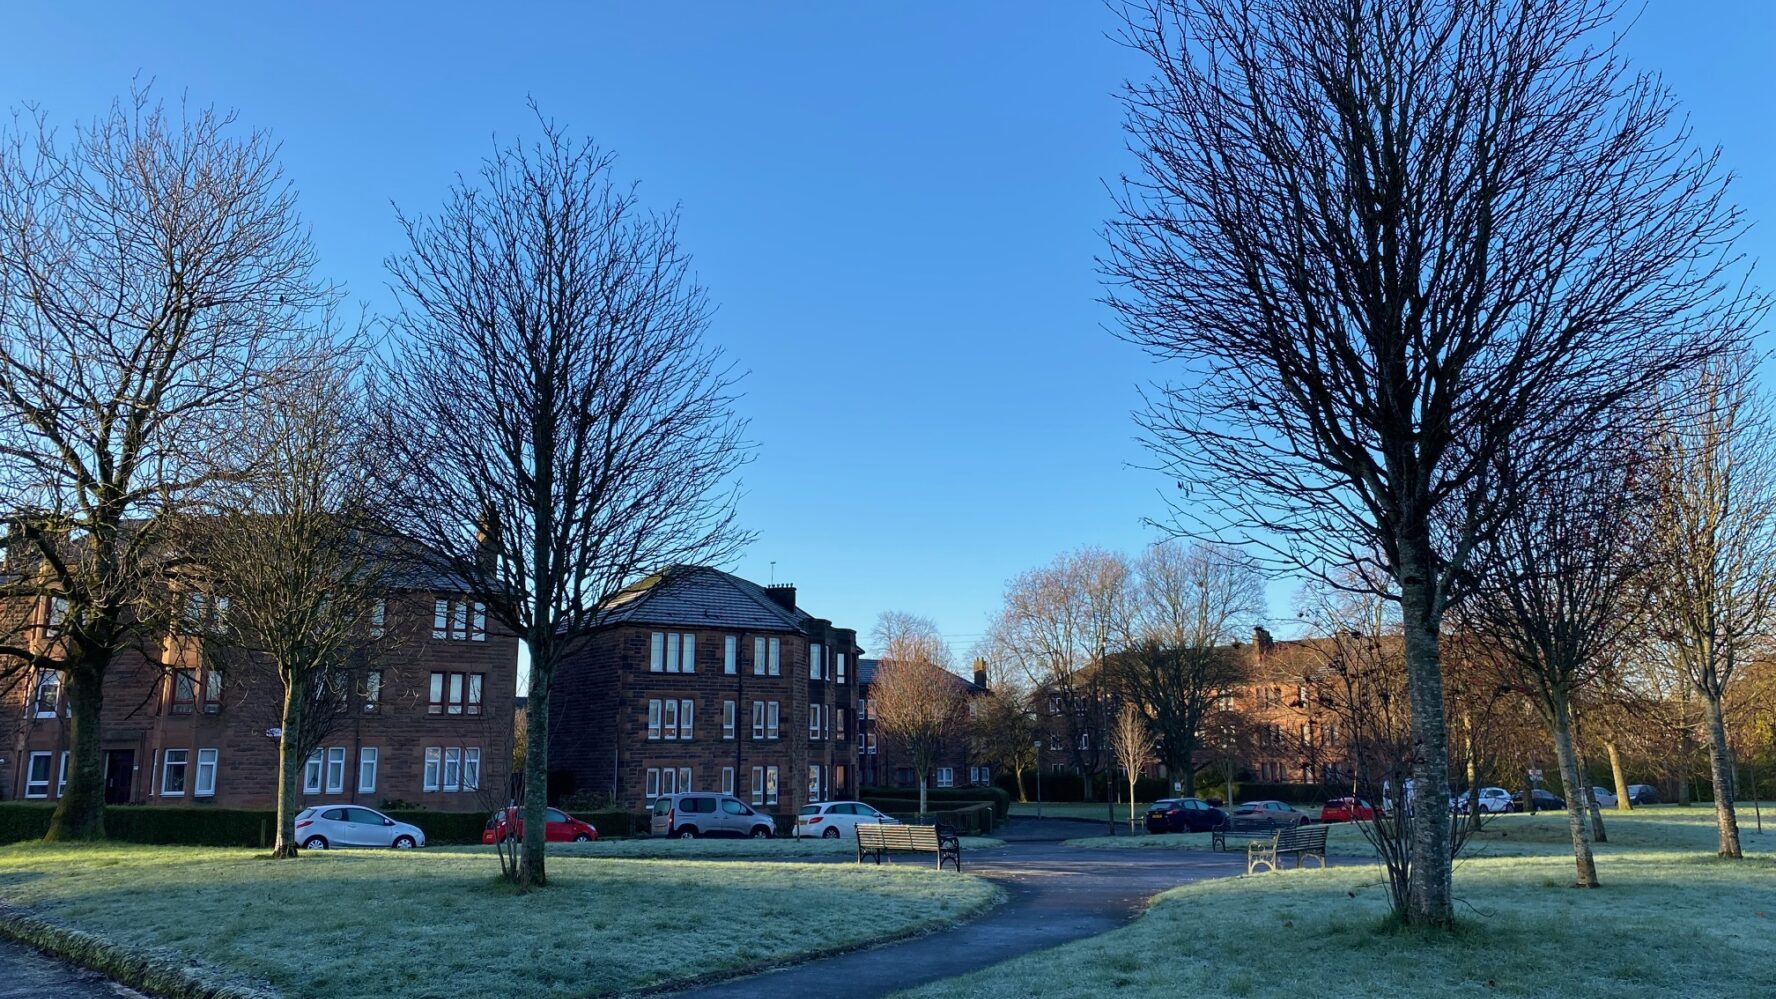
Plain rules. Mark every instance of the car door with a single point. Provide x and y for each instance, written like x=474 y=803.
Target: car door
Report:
x=333 y=824
x=556 y=829
x=732 y=817
x=843 y=817
x=370 y=828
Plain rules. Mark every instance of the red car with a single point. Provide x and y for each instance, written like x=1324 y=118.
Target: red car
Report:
x=1347 y=810
x=561 y=827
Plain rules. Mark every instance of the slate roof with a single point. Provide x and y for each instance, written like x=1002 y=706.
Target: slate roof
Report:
x=697 y=595
x=866 y=674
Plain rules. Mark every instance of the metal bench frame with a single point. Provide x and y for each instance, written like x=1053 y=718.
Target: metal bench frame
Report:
x=1302 y=841
x=875 y=839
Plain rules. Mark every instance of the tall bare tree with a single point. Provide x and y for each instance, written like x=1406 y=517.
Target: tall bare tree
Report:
x=1190 y=605
x=1383 y=239
x=1131 y=741
x=1003 y=728
x=290 y=553
x=555 y=423
x=154 y=277
x=1561 y=581
x=915 y=699
x=1059 y=623
x=1715 y=543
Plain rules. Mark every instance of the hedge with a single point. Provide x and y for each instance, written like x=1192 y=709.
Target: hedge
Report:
x=204 y=826
x=1071 y=787
x=900 y=807
x=999 y=797
x=971 y=820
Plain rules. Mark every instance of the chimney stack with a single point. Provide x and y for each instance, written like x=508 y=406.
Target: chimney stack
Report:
x=980 y=673
x=1262 y=640
x=783 y=594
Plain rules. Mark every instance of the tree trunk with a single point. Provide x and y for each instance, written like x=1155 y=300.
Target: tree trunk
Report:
x=924 y=777
x=1720 y=761
x=531 y=872
x=1430 y=896
x=80 y=814
x=1621 y=779
x=1576 y=820
x=1473 y=775
x=1023 y=798
x=289 y=765
x=1131 y=802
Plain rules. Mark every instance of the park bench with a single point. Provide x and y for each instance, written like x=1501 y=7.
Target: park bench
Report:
x=880 y=839
x=1245 y=831
x=1302 y=841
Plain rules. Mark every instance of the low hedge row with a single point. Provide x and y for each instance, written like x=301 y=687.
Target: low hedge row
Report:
x=999 y=797
x=973 y=818
x=189 y=826
x=1071 y=787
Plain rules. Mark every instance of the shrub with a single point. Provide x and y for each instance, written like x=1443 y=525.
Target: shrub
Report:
x=21 y=821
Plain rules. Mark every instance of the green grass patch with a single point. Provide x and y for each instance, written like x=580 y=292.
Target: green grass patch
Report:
x=780 y=848
x=1670 y=920
x=438 y=923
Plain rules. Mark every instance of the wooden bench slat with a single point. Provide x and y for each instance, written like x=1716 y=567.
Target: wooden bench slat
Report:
x=877 y=839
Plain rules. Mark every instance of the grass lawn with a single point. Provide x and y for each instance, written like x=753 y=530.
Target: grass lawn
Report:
x=780 y=848
x=1670 y=920
x=435 y=922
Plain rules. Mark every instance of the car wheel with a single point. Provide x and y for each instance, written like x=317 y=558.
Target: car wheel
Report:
x=687 y=833
x=830 y=834
x=582 y=838
x=761 y=832
x=314 y=843
x=404 y=843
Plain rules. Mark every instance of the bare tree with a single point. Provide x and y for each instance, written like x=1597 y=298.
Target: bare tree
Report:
x=1131 y=740
x=1383 y=239
x=154 y=276
x=555 y=424
x=1715 y=542
x=1058 y=624
x=1003 y=728
x=915 y=699
x=1190 y=606
x=288 y=553
x=1559 y=587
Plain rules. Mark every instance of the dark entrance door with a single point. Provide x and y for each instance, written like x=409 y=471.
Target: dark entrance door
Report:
x=120 y=775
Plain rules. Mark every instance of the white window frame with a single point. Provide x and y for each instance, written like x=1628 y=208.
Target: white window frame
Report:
x=687 y=660
x=471 y=768
x=839 y=661
x=46 y=678
x=452 y=768
x=814 y=720
x=166 y=771
x=367 y=764
x=651 y=789
x=312 y=769
x=813 y=782
x=816 y=659
x=336 y=770
x=478 y=628
x=684 y=779
x=654 y=729
x=946 y=777
x=31 y=782
x=687 y=708
x=758 y=657
x=671 y=726
x=730 y=717
x=440 y=619
x=459 y=620
x=210 y=760
x=672 y=652
x=774 y=664
x=773 y=716
x=772 y=783
x=727 y=780
x=62 y=777
x=731 y=655
x=758 y=785
x=758 y=720
x=430 y=777
x=657 y=652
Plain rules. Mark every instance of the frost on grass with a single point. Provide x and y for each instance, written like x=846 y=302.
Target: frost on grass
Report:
x=435 y=923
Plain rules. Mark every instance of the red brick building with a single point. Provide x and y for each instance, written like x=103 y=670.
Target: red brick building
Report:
x=429 y=724
x=699 y=680
x=884 y=763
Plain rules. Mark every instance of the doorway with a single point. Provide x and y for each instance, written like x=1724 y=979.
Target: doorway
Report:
x=120 y=775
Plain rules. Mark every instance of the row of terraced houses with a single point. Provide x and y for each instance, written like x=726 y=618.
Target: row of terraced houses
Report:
x=696 y=679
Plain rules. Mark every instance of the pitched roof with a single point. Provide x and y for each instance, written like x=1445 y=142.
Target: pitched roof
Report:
x=699 y=595
x=867 y=669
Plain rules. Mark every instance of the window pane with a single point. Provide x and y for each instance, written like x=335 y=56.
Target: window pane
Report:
x=432 y=757
x=471 y=769
x=367 y=769
x=475 y=680
x=440 y=617
x=730 y=655
x=684 y=719
x=657 y=653
x=690 y=654
x=672 y=652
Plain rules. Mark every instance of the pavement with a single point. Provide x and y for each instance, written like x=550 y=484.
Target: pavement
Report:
x=1054 y=894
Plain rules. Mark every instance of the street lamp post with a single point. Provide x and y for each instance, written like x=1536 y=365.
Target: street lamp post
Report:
x=1039 y=777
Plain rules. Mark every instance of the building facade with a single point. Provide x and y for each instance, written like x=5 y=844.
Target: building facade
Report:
x=696 y=679
x=427 y=722
x=884 y=763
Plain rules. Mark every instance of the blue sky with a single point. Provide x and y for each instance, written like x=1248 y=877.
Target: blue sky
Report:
x=895 y=207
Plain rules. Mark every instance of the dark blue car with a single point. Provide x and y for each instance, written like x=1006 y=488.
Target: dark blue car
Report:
x=1184 y=815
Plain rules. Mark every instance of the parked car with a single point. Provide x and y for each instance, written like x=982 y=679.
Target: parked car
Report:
x=1545 y=801
x=1493 y=801
x=1169 y=815
x=835 y=819
x=1265 y=813
x=1643 y=794
x=1347 y=810
x=353 y=825
x=687 y=816
x=1605 y=799
x=560 y=827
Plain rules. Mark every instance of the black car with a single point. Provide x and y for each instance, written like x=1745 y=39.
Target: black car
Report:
x=1643 y=794
x=1545 y=801
x=1184 y=815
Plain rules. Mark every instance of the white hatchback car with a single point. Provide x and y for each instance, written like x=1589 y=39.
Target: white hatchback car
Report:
x=835 y=819
x=329 y=826
x=1493 y=801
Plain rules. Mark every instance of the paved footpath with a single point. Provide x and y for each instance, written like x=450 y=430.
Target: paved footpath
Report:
x=1055 y=894
x=27 y=974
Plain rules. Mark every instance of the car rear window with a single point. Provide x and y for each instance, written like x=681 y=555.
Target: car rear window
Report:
x=810 y=810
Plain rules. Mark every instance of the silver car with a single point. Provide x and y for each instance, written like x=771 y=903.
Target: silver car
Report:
x=687 y=816
x=328 y=826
